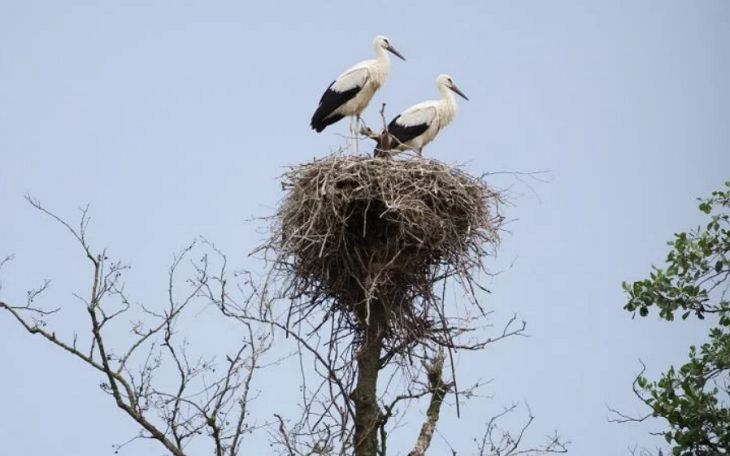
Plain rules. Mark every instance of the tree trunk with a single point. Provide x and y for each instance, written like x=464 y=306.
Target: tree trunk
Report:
x=367 y=410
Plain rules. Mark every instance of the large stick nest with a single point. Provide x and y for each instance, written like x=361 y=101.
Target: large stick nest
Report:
x=369 y=238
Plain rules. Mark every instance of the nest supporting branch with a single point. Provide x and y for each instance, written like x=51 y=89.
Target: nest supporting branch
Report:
x=365 y=240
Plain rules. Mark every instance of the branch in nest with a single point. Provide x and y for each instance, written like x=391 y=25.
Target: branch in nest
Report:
x=383 y=141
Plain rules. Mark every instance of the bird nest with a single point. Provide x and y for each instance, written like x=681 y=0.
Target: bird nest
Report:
x=370 y=237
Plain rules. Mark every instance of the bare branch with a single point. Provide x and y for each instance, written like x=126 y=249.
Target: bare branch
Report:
x=171 y=418
x=500 y=442
x=438 y=392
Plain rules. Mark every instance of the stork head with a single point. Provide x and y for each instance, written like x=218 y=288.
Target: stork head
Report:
x=382 y=42
x=447 y=81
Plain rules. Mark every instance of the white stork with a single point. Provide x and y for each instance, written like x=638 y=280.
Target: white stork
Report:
x=350 y=93
x=418 y=125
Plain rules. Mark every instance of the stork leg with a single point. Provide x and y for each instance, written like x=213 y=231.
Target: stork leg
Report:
x=420 y=151
x=353 y=129
x=358 y=127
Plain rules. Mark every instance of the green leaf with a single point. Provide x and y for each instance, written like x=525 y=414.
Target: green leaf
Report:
x=693 y=407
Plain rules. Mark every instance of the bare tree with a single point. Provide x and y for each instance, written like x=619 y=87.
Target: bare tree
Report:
x=366 y=249
x=207 y=397
x=361 y=254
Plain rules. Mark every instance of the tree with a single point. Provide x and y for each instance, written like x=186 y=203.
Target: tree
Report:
x=350 y=315
x=692 y=399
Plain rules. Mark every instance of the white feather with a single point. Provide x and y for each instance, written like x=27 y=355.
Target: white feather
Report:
x=369 y=75
x=422 y=113
x=436 y=114
x=356 y=76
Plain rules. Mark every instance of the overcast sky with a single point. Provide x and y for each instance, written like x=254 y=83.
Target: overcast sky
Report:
x=175 y=119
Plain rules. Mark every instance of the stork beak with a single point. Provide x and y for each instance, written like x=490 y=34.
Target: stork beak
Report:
x=392 y=49
x=458 y=92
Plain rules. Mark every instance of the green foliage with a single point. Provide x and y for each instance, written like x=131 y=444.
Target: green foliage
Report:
x=694 y=398
x=698 y=264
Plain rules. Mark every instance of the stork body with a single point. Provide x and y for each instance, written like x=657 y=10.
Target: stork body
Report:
x=350 y=93
x=418 y=125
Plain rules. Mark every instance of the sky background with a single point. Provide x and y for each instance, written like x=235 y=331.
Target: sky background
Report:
x=175 y=119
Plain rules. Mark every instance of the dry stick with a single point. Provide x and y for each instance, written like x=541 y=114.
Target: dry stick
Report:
x=284 y=435
x=442 y=315
x=300 y=340
x=382 y=140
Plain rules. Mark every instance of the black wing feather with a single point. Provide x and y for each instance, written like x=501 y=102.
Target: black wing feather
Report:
x=405 y=133
x=330 y=101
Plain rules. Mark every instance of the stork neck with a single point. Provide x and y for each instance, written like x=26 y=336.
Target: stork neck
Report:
x=447 y=95
x=382 y=55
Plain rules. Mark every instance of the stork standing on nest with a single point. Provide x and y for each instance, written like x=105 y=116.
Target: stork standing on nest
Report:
x=418 y=125
x=350 y=93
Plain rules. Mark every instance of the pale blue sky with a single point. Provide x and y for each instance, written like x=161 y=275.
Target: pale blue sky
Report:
x=174 y=119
